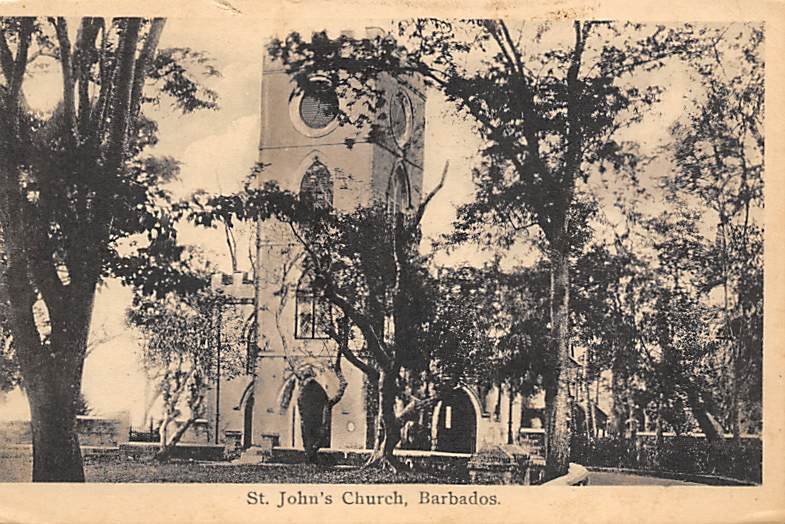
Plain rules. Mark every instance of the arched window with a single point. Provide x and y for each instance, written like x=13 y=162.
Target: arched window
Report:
x=313 y=313
x=316 y=185
x=398 y=194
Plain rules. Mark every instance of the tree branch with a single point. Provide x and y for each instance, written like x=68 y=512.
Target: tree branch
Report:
x=67 y=68
x=375 y=344
x=20 y=66
x=427 y=200
x=121 y=101
x=84 y=58
x=142 y=63
x=6 y=59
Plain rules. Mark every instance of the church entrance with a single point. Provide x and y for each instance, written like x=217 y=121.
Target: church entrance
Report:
x=457 y=424
x=248 y=423
x=315 y=418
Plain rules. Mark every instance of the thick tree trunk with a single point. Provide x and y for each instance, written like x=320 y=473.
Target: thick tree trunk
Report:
x=53 y=397
x=388 y=428
x=558 y=434
x=53 y=385
x=52 y=377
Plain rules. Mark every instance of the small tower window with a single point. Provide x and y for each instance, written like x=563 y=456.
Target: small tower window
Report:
x=316 y=185
x=313 y=313
x=398 y=194
x=319 y=104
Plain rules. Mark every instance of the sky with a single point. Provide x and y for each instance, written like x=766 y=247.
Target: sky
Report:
x=218 y=148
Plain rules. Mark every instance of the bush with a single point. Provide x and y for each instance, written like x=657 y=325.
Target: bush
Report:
x=682 y=454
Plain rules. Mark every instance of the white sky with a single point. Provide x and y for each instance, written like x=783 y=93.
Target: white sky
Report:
x=217 y=150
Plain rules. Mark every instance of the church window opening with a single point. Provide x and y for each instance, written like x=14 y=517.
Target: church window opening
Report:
x=313 y=313
x=401 y=119
x=319 y=104
x=398 y=195
x=316 y=185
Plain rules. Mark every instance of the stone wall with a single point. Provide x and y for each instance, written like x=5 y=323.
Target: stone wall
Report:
x=93 y=431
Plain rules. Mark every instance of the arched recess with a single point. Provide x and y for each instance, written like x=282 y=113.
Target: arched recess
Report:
x=315 y=417
x=246 y=404
x=455 y=422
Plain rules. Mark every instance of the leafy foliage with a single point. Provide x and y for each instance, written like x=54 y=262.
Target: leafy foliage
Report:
x=78 y=193
x=180 y=351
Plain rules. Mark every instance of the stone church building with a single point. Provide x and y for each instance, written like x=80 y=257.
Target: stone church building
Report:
x=304 y=149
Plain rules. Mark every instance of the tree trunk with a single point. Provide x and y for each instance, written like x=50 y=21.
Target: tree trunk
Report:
x=56 y=453
x=388 y=428
x=618 y=414
x=168 y=445
x=53 y=397
x=735 y=415
x=701 y=414
x=510 y=402
x=558 y=434
x=659 y=438
x=588 y=411
x=52 y=377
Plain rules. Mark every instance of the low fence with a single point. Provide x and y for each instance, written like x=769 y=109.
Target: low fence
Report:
x=146 y=451
x=93 y=431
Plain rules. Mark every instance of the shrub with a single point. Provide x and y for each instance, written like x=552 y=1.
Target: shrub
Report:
x=680 y=454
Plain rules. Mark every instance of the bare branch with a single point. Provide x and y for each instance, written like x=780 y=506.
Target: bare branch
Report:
x=427 y=200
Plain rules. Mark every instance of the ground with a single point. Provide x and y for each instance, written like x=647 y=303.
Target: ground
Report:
x=606 y=478
x=15 y=467
x=18 y=469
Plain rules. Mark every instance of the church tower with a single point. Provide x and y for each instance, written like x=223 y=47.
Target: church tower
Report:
x=304 y=149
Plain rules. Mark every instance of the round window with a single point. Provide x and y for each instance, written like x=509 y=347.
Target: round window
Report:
x=318 y=105
x=401 y=119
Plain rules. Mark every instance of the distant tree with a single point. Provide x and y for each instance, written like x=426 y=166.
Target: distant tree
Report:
x=83 y=406
x=678 y=323
x=509 y=309
x=179 y=351
x=719 y=154
x=606 y=285
x=74 y=183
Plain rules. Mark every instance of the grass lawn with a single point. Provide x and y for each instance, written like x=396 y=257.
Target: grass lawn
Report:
x=17 y=469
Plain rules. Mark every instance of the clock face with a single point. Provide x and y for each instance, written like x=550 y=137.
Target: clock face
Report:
x=401 y=119
x=319 y=105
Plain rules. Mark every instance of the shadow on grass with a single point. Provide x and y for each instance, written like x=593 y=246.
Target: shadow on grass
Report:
x=17 y=469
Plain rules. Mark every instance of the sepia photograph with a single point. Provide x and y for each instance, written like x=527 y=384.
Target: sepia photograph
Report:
x=451 y=253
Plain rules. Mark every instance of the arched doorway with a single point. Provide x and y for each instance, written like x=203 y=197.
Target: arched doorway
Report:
x=315 y=418
x=248 y=423
x=457 y=424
